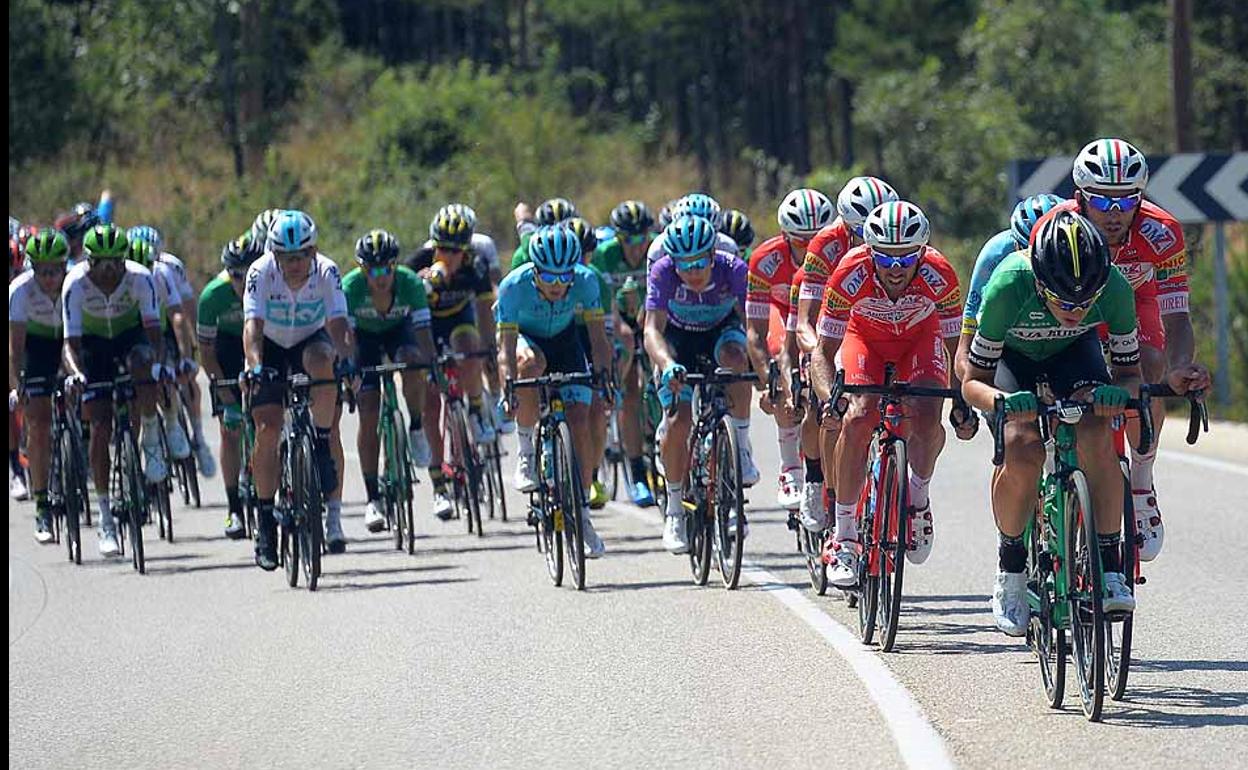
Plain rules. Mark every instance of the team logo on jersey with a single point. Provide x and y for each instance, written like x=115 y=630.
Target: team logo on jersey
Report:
x=1136 y=273
x=932 y=277
x=1158 y=234
x=769 y=264
x=832 y=250
x=853 y=282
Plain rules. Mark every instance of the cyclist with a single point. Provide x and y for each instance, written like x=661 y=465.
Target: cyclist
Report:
x=1038 y=317
x=110 y=316
x=537 y=304
x=551 y=212
x=35 y=341
x=623 y=253
x=482 y=246
x=219 y=325
x=75 y=223
x=893 y=300
x=695 y=301
x=460 y=299
x=698 y=205
x=802 y=214
x=1147 y=245
x=181 y=347
x=389 y=316
x=295 y=320
x=736 y=225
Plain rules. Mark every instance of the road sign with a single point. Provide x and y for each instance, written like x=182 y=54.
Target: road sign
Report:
x=1194 y=187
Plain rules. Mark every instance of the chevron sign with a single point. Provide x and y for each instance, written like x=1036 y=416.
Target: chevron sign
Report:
x=1194 y=187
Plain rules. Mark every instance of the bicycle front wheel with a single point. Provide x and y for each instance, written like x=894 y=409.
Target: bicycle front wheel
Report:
x=570 y=501
x=1087 y=615
x=1046 y=639
x=549 y=515
x=73 y=494
x=307 y=493
x=896 y=529
x=133 y=502
x=1118 y=631
x=726 y=495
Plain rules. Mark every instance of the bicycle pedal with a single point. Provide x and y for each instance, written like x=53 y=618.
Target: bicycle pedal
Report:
x=1141 y=580
x=792 y=523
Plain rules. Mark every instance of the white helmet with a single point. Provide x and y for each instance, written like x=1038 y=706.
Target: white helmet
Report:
x=896 y=224
x=860 y=196
x=804 y=212
x=1112 y=165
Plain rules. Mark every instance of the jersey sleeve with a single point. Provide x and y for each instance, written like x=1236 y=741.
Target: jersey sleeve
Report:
x=758 y=285
x=1117 y=304
x=506 y=310
x=658 y=286
x=987 y=260
x=739 y=280
x=1172 y=287
x=482 y=286
x=173 y=293
x=335 y=299
x=589 y=293
x=257 y=287
x=207 y=313
x=996 y=311
x=487 y=250
x=838 y=297
x=947 y=293
x=17 y=302
x=415 y=298
x=145 y=296
x=71 y=308
x=183 y=282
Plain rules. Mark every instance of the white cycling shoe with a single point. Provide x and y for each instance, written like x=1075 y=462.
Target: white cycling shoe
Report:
x=1117 y=597
x=204 y=459
x=844 y=574
x=789 y=488
x=482 y=429
x=179 y=444
x=374 y=519
x=812 y=513
x=594 y=547
x=17 y=488
x=108 y=544
x=154 y=463
x=922 y=535
x=1009 y=603
x=675 y=534
x=1148 y=524
x=749 y=471
x=526 y=475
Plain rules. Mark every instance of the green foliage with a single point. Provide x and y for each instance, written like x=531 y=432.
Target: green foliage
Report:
x=40 y=52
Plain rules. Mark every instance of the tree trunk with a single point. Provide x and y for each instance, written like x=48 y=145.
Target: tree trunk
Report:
x=251 y=105
x=226 y=60
x=1181 y=73
x=846 y=116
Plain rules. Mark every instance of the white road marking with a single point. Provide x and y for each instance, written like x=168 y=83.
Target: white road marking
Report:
x=1206 y=462
x=918 y=742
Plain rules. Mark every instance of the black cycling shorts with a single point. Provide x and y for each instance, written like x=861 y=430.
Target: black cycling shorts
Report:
x=101 y=357
x=697 y=350
x=43 y=362
x=1077 y=367
x=286 y=361
x=371 y=348
x=443 y=328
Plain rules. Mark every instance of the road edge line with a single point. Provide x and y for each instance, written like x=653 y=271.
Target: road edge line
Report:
x=1207 y=462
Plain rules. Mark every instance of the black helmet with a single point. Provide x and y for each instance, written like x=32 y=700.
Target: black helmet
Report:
x=632 y=218
x=584 y=232
x=1069 y=257
x=736 y=225
x=377 y=247
x=665 y=214
x=450 y=229
x=555 y=210
x=242 y=251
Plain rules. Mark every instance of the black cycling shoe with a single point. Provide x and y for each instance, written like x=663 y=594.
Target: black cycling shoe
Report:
x=336 y=546
x=266 y=542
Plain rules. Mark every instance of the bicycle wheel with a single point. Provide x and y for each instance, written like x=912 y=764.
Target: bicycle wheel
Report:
x=1046 y=639
x=164 y=509
x=396 y=459
x=495 y=470
x=307 y=494
x=570 y=498
x=73 y=495
x=132 y=495
x=612 y=457
x=812 y=547
x=1118 y=631
x=698 y=514
x=285 y=512
x=472 y=477
x=896 y=528
x=726 y=496
x=549 y=515
x=189 y=466
x=1087 y=616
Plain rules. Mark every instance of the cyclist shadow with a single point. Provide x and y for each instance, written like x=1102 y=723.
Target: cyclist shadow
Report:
x=919 y=639
x=1172 y=706
x=352 y=587
x=614 y=587
x=389 y=570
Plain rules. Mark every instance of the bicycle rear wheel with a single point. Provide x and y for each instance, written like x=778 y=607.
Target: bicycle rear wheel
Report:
x=896 y=528
x=1046 y=639
x=1087 y=616
x=1118 y=631
x=308 y=511
x=571 y=497
x=73 y=494
x=190 y=467
x=812 y=547
x=132 y=496
x=288 y=512
x=495 y=471
x=726 y=496
x=472 y=478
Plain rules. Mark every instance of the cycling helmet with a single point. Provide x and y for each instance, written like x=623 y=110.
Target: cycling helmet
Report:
x=555 y=249
x=737 y=227
x=464 y=210
x=450 y=229
x=896 y=224
x=25 y=232
x=105 y=241
x=860 y=196
x=804 y=212
x=146 y=233
x=77 y=221
x=665 y=214
x=1069 y=257
x=140 y=251
x=376 y=247
x=291 y=230
x=241 y=252
x=260 y=226
x=688 y=236
x=1026 y=213
x=584 y=232
x=17 y=263
x=632 y=218
x=698 y=205
x=47 y=245
x=1111 y=164
x=555 y=210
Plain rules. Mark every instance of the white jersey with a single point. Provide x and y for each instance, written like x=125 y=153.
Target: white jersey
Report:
x=178 y=272
x=290 y=317
x=167 y=292
x=29 y=305
x=723 y=245
x=483 y=246
x=87 y=311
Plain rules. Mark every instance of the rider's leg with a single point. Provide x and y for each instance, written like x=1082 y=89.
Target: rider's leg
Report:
x=368 y=406
x=38 y=414
x=852 y=448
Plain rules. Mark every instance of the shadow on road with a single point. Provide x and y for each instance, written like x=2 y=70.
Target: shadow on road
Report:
x=1135 y=710
x=613 y=587
x=333 y=587
x=1189 y=665
x=389 y=570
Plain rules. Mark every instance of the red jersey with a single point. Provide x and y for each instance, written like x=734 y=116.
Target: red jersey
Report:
x=772 y=266
x=790 y=321
x=1153 y=259
x=822 y=255
x=855 y=303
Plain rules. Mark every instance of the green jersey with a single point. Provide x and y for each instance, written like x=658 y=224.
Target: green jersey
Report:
x=629 y=282
x=521 y=255
x=408 y=305
x=1013 y=315
x=220 y=309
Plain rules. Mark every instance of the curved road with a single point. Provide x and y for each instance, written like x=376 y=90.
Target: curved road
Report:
x=464 y=655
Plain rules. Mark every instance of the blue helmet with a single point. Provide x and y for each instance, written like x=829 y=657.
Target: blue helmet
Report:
x=147 y=233
x=291 y=230
x=1027 y=213
x=688 y=236
x=698 y=205
x=554 y=249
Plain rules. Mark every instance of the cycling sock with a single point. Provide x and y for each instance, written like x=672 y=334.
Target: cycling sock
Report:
x=372 y=487
x=416 y=423
x=846 y=522
x=1011 y=553
x=638 y=465
x=15 y=462
x=790 y=456
x=918 y=490
x=321 y=442
x=525 y=437
x=333 y=512
x=1111 y=552
x=1142 y=470
x=595 y=475
x=675 y=504
x=436 y=476
x=233 y=501
x=814 y=470
x=267 y=521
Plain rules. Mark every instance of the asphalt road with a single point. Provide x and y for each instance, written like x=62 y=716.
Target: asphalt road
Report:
x=465 y=655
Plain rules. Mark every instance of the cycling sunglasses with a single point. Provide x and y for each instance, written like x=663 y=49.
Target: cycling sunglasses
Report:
x=450 y=247
x=291 y=256
x=1070 y=307
x=886 y=261
x=1107 y=203
x=380 y=271
x=689 y=265
x=561 y=278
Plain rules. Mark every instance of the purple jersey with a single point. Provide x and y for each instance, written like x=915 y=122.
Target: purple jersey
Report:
x=697 y=310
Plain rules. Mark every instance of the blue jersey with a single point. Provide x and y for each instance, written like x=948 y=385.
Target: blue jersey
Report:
x=992 y=254
x=522 y=307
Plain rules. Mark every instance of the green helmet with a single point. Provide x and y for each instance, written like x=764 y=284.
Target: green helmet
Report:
x=106 y=241
x=47 y=245
x=141 y=251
